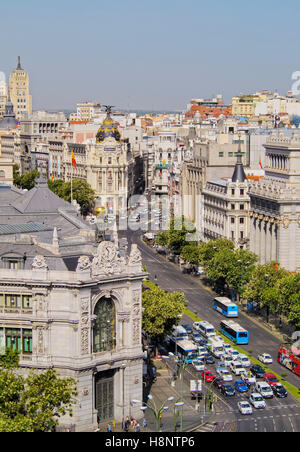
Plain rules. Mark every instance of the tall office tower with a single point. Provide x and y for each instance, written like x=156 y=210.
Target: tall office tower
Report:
x=19 y=91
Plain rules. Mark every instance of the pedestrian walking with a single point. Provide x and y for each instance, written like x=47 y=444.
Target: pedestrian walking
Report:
x=144 y=423
x=138 y=427
x=108 y=428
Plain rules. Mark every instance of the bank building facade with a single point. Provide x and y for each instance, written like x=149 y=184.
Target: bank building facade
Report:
x=72 y=304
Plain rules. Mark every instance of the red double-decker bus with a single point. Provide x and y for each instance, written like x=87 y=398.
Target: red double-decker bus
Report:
x=289 y=359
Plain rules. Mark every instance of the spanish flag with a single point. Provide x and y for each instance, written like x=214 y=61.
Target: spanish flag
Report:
x=260 y=164
x=74 y=160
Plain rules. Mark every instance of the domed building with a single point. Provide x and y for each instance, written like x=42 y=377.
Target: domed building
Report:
x=107 y=164
x=108 y=128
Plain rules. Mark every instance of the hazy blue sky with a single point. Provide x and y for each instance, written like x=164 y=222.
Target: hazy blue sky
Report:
x=155 y=54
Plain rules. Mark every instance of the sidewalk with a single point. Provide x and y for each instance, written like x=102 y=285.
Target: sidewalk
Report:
x=160 y=391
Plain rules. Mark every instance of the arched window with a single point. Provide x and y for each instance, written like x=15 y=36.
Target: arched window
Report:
x=104 y=327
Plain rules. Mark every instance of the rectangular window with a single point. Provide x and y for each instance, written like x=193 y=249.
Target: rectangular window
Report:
x=232 y=220
x=1 y=300
x=232 y=191
x=13 y=265
x=232 y=206
x=27 y=341
x=241 y=206
x=27 y=301
x=221 y=154
x=242 y=192
x=13 y=301
x=242 y=220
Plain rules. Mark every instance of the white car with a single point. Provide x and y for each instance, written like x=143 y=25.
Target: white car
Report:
x=196 y=326
x=227 y=359
x=264 y=389
x=233 y=352
x=245 y=407
x=198 y=365
x=202 y=351
x=225 y=374
x=265 y=358
x=237 y=368
x=249 y=378
x=244 y=360
x=257 y=400
x=226 y=347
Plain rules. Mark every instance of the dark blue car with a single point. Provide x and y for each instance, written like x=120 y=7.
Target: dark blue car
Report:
x=241 y=386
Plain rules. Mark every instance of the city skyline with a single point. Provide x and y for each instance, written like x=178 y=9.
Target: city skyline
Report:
x=149 y=57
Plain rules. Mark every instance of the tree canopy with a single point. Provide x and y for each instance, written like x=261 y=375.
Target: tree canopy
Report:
x=33 y=403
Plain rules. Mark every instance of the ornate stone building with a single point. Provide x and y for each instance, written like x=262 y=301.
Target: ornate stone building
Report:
x=69 y=303
x=107 y=165
x=275 y=204
x=226 y=205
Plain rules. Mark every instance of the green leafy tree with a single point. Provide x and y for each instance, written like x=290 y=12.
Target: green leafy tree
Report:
x=289 y=297
x=161 y=312
x=26 y=181
x=263 y=285
x=182 y=232
x=190 y=253
x=207 y=250
x=82 y=192
x=33 y=403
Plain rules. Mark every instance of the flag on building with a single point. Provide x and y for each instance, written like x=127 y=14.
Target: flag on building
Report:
x=74 y=160
x=260 y=164
x=52 y=178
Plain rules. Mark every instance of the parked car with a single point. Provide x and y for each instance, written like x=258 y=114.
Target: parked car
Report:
x=198 y=365
x=271 y=379
x=196 y=326
x=257 y=370
x=227 y=390
x=265 y=358
x=279 y=390
x=257 y=400
x=241 y=386
x=245 y=407
x=264 y=389
x=208 y=376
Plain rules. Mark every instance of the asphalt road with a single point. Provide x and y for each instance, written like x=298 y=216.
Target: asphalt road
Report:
x=280 y=414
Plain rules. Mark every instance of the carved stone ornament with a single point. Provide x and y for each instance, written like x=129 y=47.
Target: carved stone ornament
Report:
x=107 y=260
x=84 y=264
x=285 y=222
x=135 y=257
x=39 y=263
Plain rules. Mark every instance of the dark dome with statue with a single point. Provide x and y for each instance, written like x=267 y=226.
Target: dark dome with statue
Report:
x=108 y=128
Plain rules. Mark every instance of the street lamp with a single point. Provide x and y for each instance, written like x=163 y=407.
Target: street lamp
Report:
x=157 y=411
x=176 y=414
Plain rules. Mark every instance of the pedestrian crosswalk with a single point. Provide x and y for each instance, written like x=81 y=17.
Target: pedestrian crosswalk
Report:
x=208 y=427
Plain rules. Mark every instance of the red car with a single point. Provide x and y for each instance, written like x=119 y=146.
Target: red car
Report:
x=271 y=379
x=208 y=376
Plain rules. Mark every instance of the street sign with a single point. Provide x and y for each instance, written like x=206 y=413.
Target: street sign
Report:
x=195 y=385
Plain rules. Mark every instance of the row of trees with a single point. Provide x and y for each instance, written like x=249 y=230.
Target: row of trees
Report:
x=81 y=190
x=271 y=286
x=33 y=403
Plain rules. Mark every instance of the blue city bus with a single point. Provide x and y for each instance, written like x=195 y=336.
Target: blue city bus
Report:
x=235 y=332
x=226 y=307
x=186 y=351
